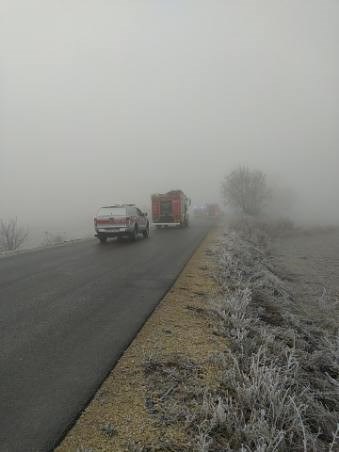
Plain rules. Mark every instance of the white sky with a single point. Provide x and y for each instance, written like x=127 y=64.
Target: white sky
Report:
x=113 y=100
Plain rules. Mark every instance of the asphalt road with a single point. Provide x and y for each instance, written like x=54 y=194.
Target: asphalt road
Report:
x=66 y=315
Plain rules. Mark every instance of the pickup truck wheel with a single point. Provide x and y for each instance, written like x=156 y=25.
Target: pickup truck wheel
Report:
x=103 y=239
x=134 y=235
x=146 y=232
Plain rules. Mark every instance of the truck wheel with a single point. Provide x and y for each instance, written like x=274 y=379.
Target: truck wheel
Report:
x=134 y=235
x=102 y=239
x=146 y=232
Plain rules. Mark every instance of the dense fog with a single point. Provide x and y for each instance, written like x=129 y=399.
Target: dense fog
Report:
x=104 y=101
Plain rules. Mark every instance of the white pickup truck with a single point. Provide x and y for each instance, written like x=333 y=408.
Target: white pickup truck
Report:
x=121 y=220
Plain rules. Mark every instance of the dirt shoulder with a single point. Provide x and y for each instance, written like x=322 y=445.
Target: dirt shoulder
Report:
x=139 y=403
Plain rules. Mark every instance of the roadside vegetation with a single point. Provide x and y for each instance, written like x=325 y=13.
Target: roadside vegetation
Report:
x=12 y=235
x=280 y=384
x=246 y=190
x=277 y=384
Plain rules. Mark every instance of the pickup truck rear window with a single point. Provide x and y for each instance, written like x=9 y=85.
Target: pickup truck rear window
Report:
x=112 y=212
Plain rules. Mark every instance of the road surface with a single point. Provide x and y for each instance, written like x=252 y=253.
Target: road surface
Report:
x=66 y=315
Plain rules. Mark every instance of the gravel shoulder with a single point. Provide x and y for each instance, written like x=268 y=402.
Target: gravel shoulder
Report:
x=175 y=340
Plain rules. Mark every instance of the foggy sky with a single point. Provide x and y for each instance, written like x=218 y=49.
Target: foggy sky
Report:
x=110 y=100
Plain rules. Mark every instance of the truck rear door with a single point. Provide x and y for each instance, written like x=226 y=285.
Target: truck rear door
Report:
x=111 y=219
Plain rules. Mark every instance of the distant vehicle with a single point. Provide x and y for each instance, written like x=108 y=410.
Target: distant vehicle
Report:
x=170 y=209
x=207 y=210
x=213 y=210
x=121 y=220
x=200 y=211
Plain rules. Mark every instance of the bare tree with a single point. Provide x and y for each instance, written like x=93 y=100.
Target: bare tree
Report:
x=245 y=190
x=12 y=236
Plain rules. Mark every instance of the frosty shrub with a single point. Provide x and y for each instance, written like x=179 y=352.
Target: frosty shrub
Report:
x=12 y=236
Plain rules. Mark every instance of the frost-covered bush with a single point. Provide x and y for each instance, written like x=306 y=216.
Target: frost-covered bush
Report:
x=280 y=380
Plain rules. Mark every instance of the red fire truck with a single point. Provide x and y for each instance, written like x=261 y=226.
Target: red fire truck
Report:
x=207 y=210
x=213 y=210
x=170 y=209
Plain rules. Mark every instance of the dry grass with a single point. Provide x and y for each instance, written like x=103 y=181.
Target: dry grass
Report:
x=281 y=387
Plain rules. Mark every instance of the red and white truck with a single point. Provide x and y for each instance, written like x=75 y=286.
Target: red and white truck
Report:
x=170 y=209
x=207 y=210
x=213 y=210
